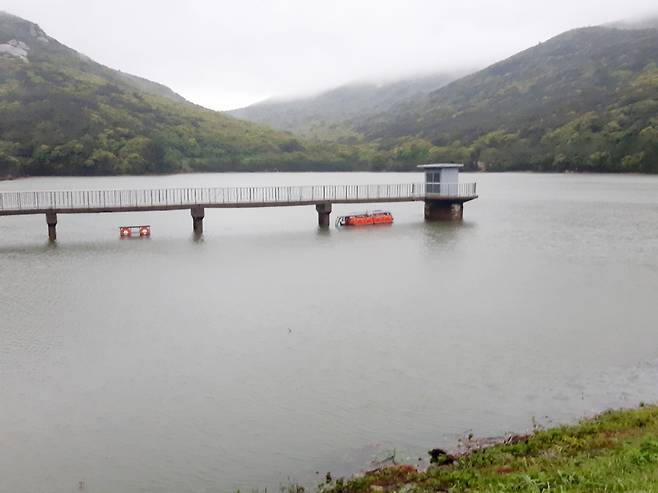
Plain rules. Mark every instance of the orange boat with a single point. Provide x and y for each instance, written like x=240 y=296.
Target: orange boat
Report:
x=365 y=219
x=130 y=231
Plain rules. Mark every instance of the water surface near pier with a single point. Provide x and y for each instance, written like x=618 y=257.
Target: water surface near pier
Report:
x=271 y=350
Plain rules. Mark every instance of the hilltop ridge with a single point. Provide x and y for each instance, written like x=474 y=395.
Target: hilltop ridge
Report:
x=40 y=47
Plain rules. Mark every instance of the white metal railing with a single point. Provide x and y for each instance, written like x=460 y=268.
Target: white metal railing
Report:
x=183 y=197
x=450 y=189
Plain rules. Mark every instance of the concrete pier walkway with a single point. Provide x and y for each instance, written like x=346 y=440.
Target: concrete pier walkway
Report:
x=442 y=200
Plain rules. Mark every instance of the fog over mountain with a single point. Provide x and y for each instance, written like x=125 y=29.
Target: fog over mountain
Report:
x=224 y=54
x=316 y=115
x=643 y=22
x=584 y=100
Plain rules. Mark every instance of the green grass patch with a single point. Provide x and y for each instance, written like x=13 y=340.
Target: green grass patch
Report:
x=613 y=452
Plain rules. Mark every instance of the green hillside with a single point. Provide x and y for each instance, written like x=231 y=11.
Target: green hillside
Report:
x=62 y=113
x=586 y=100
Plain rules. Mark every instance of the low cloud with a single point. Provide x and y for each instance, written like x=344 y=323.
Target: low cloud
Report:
x=226 y=54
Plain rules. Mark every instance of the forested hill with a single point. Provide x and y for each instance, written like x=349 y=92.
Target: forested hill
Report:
x=586 y=100
x=327 y=114
x=62 y=113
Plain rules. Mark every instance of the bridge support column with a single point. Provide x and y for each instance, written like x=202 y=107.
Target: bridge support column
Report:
x=51 y=219
x=197 y=220
x=324 y=211
x=443 y=210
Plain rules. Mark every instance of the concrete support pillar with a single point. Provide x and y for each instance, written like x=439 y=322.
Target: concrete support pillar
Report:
x=197 y=220
x=51 y=219
x=324 y=211
x=443 y=210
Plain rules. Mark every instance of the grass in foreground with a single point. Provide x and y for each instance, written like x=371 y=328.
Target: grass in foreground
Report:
x=616 y=451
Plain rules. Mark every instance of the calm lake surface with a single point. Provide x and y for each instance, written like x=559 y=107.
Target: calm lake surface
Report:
x=271 y=350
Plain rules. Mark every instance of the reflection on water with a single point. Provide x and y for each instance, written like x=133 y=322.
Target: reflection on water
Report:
x=271 y=350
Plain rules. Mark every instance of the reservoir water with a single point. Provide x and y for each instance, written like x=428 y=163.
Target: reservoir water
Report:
x=272 y=351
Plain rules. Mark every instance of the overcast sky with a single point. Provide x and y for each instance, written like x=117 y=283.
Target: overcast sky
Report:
x=226 y=54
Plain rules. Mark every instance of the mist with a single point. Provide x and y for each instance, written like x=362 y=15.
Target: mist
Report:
x=225 y=55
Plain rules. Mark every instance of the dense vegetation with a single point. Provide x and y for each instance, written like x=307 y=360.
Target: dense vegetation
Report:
x=586 y=100
x=615 y=452
x=63 y=114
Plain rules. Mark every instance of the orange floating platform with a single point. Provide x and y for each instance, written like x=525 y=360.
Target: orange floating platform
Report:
x=365 y=219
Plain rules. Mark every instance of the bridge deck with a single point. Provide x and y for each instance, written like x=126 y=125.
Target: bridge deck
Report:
x=94 y=201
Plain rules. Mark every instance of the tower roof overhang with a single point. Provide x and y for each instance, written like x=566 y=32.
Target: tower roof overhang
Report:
x=440 y=166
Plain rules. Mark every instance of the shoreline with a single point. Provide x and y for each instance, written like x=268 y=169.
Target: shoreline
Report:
x=616 y=450
x=329 y=171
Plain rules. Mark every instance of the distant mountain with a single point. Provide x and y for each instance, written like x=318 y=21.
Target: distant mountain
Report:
x=329 y=113
x=63 y=113
x=584 y=100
